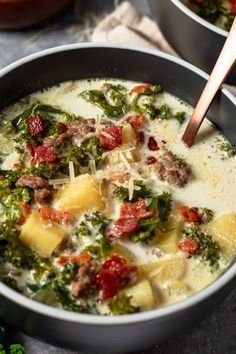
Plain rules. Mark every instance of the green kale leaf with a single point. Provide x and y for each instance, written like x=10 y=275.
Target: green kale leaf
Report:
x=162 y=206
x=146 y=106
x=13 y=349
x=180 y=117
x=120 y=305
x=117 y=94
x=16 y=349
x=209 y=250
x=82 y=155
x=60 y=287
x=11 y=199
x=14 y=252
x=11 y=282
x=122 y=193
x=210 y=10
x=50 y=115
x=94 y=225
x=207 y=215
x=224 y=148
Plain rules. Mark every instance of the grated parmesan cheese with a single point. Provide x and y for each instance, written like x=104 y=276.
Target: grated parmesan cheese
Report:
x=122 y=157
x=107 y=135
x=57 y=186
x=59 y=181
x=98 y=125
x=94 y=150
x=131 y=189
x=137 y=188
x=75 y=161
x=92 y=164
x=71 y=172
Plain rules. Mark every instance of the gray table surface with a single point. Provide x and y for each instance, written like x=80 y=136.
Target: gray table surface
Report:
x=215 y=335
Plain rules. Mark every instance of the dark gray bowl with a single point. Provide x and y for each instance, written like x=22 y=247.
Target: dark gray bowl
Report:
x=129 y=332
x=195 y=39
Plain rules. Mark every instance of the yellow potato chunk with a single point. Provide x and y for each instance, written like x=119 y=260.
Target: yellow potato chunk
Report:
x=168 y=241
x=127 y=148
x=171 y=291
x=223 y=230
x=128 y=135
x=165 y=269
x=41 y=236
x=142 y=295
x=120 y=250
x=80 y=196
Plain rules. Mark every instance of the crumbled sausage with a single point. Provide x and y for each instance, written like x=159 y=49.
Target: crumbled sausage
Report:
x=81 y=281
x=80 y=128
x=41 y=194
x=2 y=178
x=172 y=170
x=77 y=129
x=15 y=272
x=55 y=142
x=33 y=182
x=129 y=278
x=18 y=166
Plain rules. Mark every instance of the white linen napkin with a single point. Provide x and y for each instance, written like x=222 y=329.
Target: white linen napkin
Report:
x=126 y=25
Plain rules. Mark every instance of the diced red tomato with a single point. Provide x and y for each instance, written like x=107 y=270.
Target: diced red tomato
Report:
x=62 y=128
x=110 y=137
x=136 y=120
x=130 y=214
x=115 y=264
x=109 y=284
x=136 y=210
x=31 y=148
x=35 y=125
x=58 y=216
x=197 y=2
x=189 y=246
x=114 y=275
x=26 y=210
x=140 y=89
x=189 y=214
x=151 y=160
x=41 y=154
x=124 y=227
x=233 y=7
x=152 y=144
x=140 y=137
x=83 y=257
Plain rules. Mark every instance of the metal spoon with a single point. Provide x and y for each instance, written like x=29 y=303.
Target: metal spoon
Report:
x=222 y=68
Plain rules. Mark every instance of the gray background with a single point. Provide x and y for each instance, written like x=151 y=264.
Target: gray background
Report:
x=215 y=335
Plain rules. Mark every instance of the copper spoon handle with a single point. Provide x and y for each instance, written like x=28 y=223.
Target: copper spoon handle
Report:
x=221 y=70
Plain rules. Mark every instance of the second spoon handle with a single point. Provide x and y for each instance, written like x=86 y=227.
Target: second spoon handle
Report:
x=221 y=69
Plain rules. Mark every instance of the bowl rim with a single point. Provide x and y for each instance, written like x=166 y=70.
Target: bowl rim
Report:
x=200 y=20
x=88 y=319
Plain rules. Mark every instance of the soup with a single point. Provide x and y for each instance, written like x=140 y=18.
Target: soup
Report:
x=103 y=208
x=220 y=13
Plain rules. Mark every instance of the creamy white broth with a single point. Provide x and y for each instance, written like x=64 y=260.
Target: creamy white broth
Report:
x=212 y=185
x=207 y=188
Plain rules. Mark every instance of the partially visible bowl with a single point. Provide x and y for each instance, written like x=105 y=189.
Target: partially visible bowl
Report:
x=24 y=13
x=117 y=334
x=195 y=39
